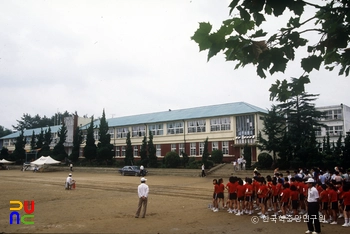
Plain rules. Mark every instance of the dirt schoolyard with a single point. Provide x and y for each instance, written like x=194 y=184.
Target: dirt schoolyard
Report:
x=107 y=202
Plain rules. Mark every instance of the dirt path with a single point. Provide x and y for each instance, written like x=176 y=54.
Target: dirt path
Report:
x=106 y=203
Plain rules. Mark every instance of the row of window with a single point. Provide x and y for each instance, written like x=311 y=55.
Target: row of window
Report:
x=331 y=130
x=244 y=125
x=120 y=151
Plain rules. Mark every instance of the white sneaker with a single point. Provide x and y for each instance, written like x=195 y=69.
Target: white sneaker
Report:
x=262 y=216
x=334 y=222
x=259 y=213
x=283 y=217
x=216 y=210
x=308 y=232
x=340 y=216
x=315 y=232
x=324 y=221
x=239 y=213
x=346 y=225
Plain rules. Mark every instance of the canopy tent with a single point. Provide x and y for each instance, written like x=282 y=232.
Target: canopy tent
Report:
x=44 y=161
x=4 y=161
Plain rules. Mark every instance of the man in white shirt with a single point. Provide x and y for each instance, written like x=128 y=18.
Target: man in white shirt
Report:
x=313 y=223
x=142 y=191
x=69 y=181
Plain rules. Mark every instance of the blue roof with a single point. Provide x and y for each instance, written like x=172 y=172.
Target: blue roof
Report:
x=29 y=132
x=236 y=108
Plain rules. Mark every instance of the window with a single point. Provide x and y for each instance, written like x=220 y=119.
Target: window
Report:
x=220 y=124
x=117 y=151
x=111 y=132
x=175 y=128
x=318 y=131
x=122 y=132
x=338 y=130
x=123 y=151
x=245 y=125
x=328 y=114
x=215 y=145
x=181 y=148
x=156 y=129
x=136 y=151
x=201 y=148
x=158 y=151
x=338 y=114
x=329 y=130
x=173 y=147
x=196 y=126
x=139 y=131
x=225 y=147
x=193 y=149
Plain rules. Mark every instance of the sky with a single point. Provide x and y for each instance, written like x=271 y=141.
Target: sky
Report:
x=126 y=57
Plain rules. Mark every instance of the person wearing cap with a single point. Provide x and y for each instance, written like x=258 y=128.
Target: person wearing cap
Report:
x=313 y=223
x=69 y=182
x=142 y=191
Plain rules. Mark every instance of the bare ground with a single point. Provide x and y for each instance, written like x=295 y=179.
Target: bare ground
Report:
x=106 y=203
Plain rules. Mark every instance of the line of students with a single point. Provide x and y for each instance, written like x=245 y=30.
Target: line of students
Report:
x=284 y=194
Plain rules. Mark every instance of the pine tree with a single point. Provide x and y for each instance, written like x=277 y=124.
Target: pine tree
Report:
x=129 y=156
x=143 y=152
x=104 y=150
x=77 y=140
x=32 y=142
x=45 y=149
x=40 y=141
x=90 y=149
x=153 y=160
x=59 y=153
x=205 y=154
x=19 y=153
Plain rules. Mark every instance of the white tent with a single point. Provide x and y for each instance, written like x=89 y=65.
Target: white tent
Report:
x=44 y=161
x=3 y=161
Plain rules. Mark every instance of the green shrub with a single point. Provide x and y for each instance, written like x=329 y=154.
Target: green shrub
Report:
x=172 y=160
x=217 y=156
x=265 y=161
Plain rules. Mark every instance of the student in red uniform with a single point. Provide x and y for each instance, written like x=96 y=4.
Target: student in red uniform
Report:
x=262 y=195
x=324 y=199
x=221 y=196
x=294 y=197
x=231 y=188
x=215 y=195
x=274 y=196
x=340 y=192
x=346 y=203
x=333 y=199
x=240 y=197
x=285 y=200
x=248 y=196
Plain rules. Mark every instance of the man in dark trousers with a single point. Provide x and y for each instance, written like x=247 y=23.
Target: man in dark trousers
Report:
x=142 y=191
x=313 y=223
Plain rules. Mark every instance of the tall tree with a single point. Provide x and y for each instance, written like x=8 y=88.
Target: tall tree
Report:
x=273 y=129
x=45 y=149
x=33 y=141
x=205 y=154
x=143 y=152
x=4 y=131
x=345 y=161
x=129 y=156
x=40 y=140
x=104 y=150
x=77 y=140
x=242 y=36
x=59 y=153
x=90 y=149
x=152 y=152
x=19 y=154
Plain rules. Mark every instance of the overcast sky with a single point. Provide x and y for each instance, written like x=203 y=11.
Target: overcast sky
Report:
x=128 y=57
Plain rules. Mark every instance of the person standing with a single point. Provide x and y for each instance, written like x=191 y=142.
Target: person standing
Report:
x=142 y=168
x=71 y=166
x=203 y=170
x=142 y=191
x=313 y=223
